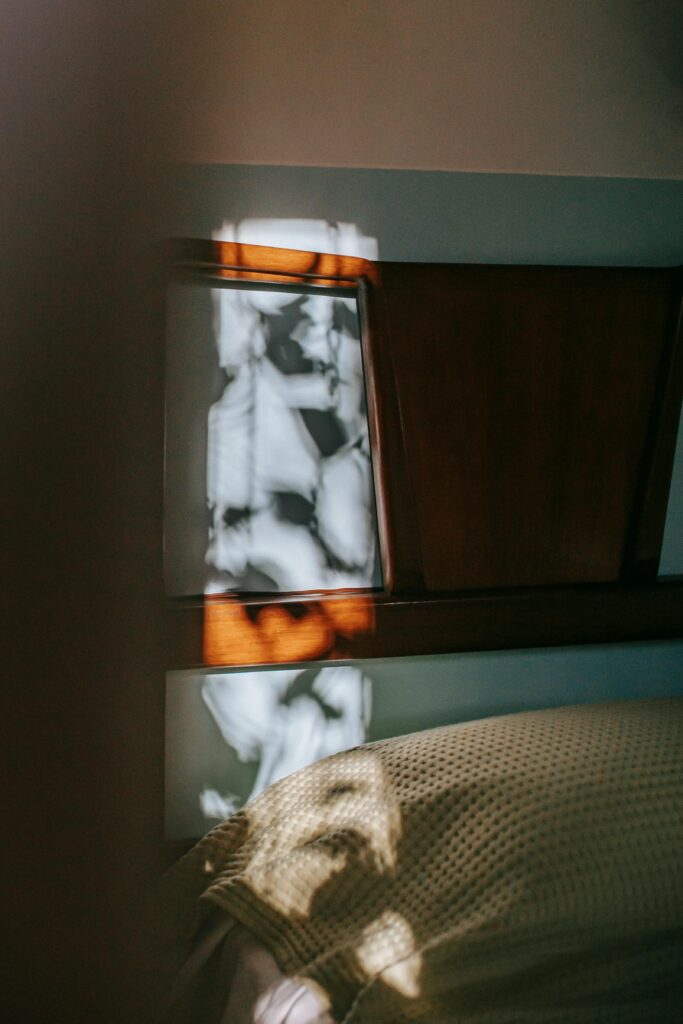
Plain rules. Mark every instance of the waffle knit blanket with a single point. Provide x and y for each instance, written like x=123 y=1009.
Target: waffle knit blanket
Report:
x=521 y=868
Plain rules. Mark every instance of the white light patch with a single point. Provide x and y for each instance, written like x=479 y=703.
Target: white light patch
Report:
x=283 y=720
x=387 y=948
x=290 y=865
x=341 y=239
x=288 y=471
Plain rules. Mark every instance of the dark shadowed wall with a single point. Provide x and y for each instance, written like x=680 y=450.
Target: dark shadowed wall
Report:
x=81 y=436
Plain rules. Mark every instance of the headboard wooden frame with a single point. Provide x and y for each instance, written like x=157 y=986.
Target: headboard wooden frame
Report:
x=523 y=426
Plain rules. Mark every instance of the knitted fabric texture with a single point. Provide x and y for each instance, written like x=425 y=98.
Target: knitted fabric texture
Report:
x=520 y=868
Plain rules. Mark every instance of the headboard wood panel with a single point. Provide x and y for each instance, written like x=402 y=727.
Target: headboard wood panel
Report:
x=523 y=423
x=526 y=395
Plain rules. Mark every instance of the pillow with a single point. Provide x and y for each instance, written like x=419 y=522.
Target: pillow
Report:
x=520 y=868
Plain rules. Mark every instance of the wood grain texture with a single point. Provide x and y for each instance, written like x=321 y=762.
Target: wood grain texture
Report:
x=522 y=423
x=525 y=397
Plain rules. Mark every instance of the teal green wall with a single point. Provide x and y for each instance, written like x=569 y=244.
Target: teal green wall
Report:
x=449 y=216
x=417 y=693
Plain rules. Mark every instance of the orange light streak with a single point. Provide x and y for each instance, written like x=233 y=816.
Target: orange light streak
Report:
x=239 y=634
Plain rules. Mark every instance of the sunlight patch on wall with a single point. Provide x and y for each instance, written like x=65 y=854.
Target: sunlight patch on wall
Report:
x=266 y=390
x=282 y=720
x=269 y=488
x=289 y=477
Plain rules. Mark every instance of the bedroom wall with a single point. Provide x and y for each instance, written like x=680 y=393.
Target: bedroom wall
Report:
x=451 y=130
x=80 y=504
x=483 y=131
x=528 y=86
x=454 y=130
x=556 y=127
x=458 y=217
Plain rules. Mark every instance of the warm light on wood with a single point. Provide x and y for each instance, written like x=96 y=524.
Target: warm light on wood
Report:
x=236 y=261
x=236 y=633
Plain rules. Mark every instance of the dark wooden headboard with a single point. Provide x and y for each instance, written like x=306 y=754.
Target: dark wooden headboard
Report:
x=523 y=423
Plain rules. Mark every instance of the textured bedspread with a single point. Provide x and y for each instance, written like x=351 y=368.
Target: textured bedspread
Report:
x=521 y=868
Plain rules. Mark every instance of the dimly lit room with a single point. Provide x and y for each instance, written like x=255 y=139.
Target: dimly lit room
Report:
x=343 y=375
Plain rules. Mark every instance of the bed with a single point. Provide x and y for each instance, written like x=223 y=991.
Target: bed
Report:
x=525 y=867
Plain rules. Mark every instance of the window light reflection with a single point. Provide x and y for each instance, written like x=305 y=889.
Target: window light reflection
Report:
x=283 y=720
x=289 y=476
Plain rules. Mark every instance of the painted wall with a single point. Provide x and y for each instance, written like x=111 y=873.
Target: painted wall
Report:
x=449 y=130
x=454 y=217
x=530 y=86
x=449 y=216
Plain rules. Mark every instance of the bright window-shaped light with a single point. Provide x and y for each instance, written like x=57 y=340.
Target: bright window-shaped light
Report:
x=231 y=735
x=269 y=476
